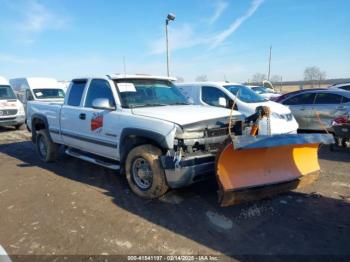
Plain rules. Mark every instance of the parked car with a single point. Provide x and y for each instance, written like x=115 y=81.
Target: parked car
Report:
x=290 y=94
x=222 y=94
x=126 y=122
x=265 y=92
x=11 y=109
x=314 y=109
x=344 y=86
x=38 y=89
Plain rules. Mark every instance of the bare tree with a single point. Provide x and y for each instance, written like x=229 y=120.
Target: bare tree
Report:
x=275 y=79
x=202 y=78
x=314 y=74
x=258 y=77
x=180 y=79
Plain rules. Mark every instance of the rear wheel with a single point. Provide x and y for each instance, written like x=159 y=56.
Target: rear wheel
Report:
x=46 y=149
x=144 y=172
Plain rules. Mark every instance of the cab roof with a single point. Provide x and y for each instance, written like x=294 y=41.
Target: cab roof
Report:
x=139 y=76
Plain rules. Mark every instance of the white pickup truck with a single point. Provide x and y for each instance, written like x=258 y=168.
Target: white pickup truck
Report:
x=142 y=125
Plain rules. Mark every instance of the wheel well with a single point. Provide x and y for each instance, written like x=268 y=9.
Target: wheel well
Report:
x=131 y=141
x=37 y=124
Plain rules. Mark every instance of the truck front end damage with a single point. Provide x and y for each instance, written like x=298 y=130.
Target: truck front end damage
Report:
x=195 y=148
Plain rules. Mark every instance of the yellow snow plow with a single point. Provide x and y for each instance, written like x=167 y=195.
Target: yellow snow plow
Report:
x=255 y=167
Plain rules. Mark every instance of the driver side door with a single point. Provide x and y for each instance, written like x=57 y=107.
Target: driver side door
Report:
x=99 y=126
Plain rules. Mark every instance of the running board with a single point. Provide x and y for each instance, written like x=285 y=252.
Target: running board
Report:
x=74 y=153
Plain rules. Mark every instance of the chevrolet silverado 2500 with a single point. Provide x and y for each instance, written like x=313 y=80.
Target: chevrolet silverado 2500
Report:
x=141 y=125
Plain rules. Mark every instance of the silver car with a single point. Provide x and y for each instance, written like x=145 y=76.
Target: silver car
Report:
x=316 y=109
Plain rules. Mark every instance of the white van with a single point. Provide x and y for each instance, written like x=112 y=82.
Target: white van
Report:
x=11 y=109
x=39 y=89
x=222 y=94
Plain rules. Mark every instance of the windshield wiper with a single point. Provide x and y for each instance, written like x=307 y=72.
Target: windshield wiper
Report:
x=180 y=103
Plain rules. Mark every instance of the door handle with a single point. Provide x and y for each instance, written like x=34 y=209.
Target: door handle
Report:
x=341 y=107
x=302 y=108
x=82 y=116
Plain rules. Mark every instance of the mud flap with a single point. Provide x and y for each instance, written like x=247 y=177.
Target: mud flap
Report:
x=252 y=168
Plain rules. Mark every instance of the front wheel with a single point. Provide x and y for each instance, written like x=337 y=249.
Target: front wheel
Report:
x=46 y=149
x=144 y=172
x=19 y=126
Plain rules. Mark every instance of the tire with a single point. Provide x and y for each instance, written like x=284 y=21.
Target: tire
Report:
x=19 y=126
x=50 y=154
x=149 y=154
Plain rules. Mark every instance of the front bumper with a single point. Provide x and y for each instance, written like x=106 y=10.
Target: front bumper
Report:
x=189 y=170
x=12 y=121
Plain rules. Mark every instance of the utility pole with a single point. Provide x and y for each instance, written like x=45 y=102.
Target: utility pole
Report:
x=268 y=75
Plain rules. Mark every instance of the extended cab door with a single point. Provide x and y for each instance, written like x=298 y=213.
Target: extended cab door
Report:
x=72 y=118
x=86 y=128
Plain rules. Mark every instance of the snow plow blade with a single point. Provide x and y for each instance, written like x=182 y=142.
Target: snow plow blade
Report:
x=252 y=168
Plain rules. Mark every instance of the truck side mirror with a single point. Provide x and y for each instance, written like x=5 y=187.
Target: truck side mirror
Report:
x=103 y=104
x=222 y=102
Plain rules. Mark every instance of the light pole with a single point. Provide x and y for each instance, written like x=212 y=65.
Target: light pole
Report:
x=268 y=74
x=170 y=17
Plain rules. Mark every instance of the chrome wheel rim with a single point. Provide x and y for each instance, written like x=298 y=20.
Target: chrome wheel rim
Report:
x=142 y=173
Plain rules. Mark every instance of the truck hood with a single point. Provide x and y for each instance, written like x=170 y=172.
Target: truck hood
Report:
x=186 y=114
x=10 y=104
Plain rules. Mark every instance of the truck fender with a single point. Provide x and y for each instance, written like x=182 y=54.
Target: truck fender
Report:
x=157 y=138
x=43 y=119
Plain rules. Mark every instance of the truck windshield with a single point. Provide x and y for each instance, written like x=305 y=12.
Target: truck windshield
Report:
x=245 y=94
x=6 y=92
x=48 y=93
x=149 y=92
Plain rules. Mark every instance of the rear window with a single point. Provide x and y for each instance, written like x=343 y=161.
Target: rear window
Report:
x=49 y=93
x=76 y=93
x=328 y=98
x=6 y=92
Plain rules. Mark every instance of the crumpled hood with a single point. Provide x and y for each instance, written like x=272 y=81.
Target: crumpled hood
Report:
x=185 y=114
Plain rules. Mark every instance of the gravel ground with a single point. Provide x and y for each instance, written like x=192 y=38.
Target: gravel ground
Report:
x=72 y=207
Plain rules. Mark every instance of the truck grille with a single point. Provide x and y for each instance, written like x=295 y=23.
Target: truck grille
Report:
x=289 y=117
x=222 y=131
x=8 y=112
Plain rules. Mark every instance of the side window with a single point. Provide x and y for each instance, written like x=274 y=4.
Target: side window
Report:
x=345 y=100
x=211 y=95
x=302 y=99
x=29 y=95
x=347 y=88
x=76 y=93
x=328 y=98
x=99 y=89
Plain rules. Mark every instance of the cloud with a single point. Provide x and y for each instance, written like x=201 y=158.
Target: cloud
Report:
x=6 y=58
x=219 y=9
x=180 y=37
x=30 y=18
x=218 y=39
x=185 y=35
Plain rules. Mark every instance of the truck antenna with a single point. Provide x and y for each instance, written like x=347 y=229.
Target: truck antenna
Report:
x=124 y=65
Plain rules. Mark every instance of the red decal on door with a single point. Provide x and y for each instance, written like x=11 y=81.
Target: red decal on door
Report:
x=96 y=122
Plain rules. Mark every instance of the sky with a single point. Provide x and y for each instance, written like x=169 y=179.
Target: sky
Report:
x=222 y=39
